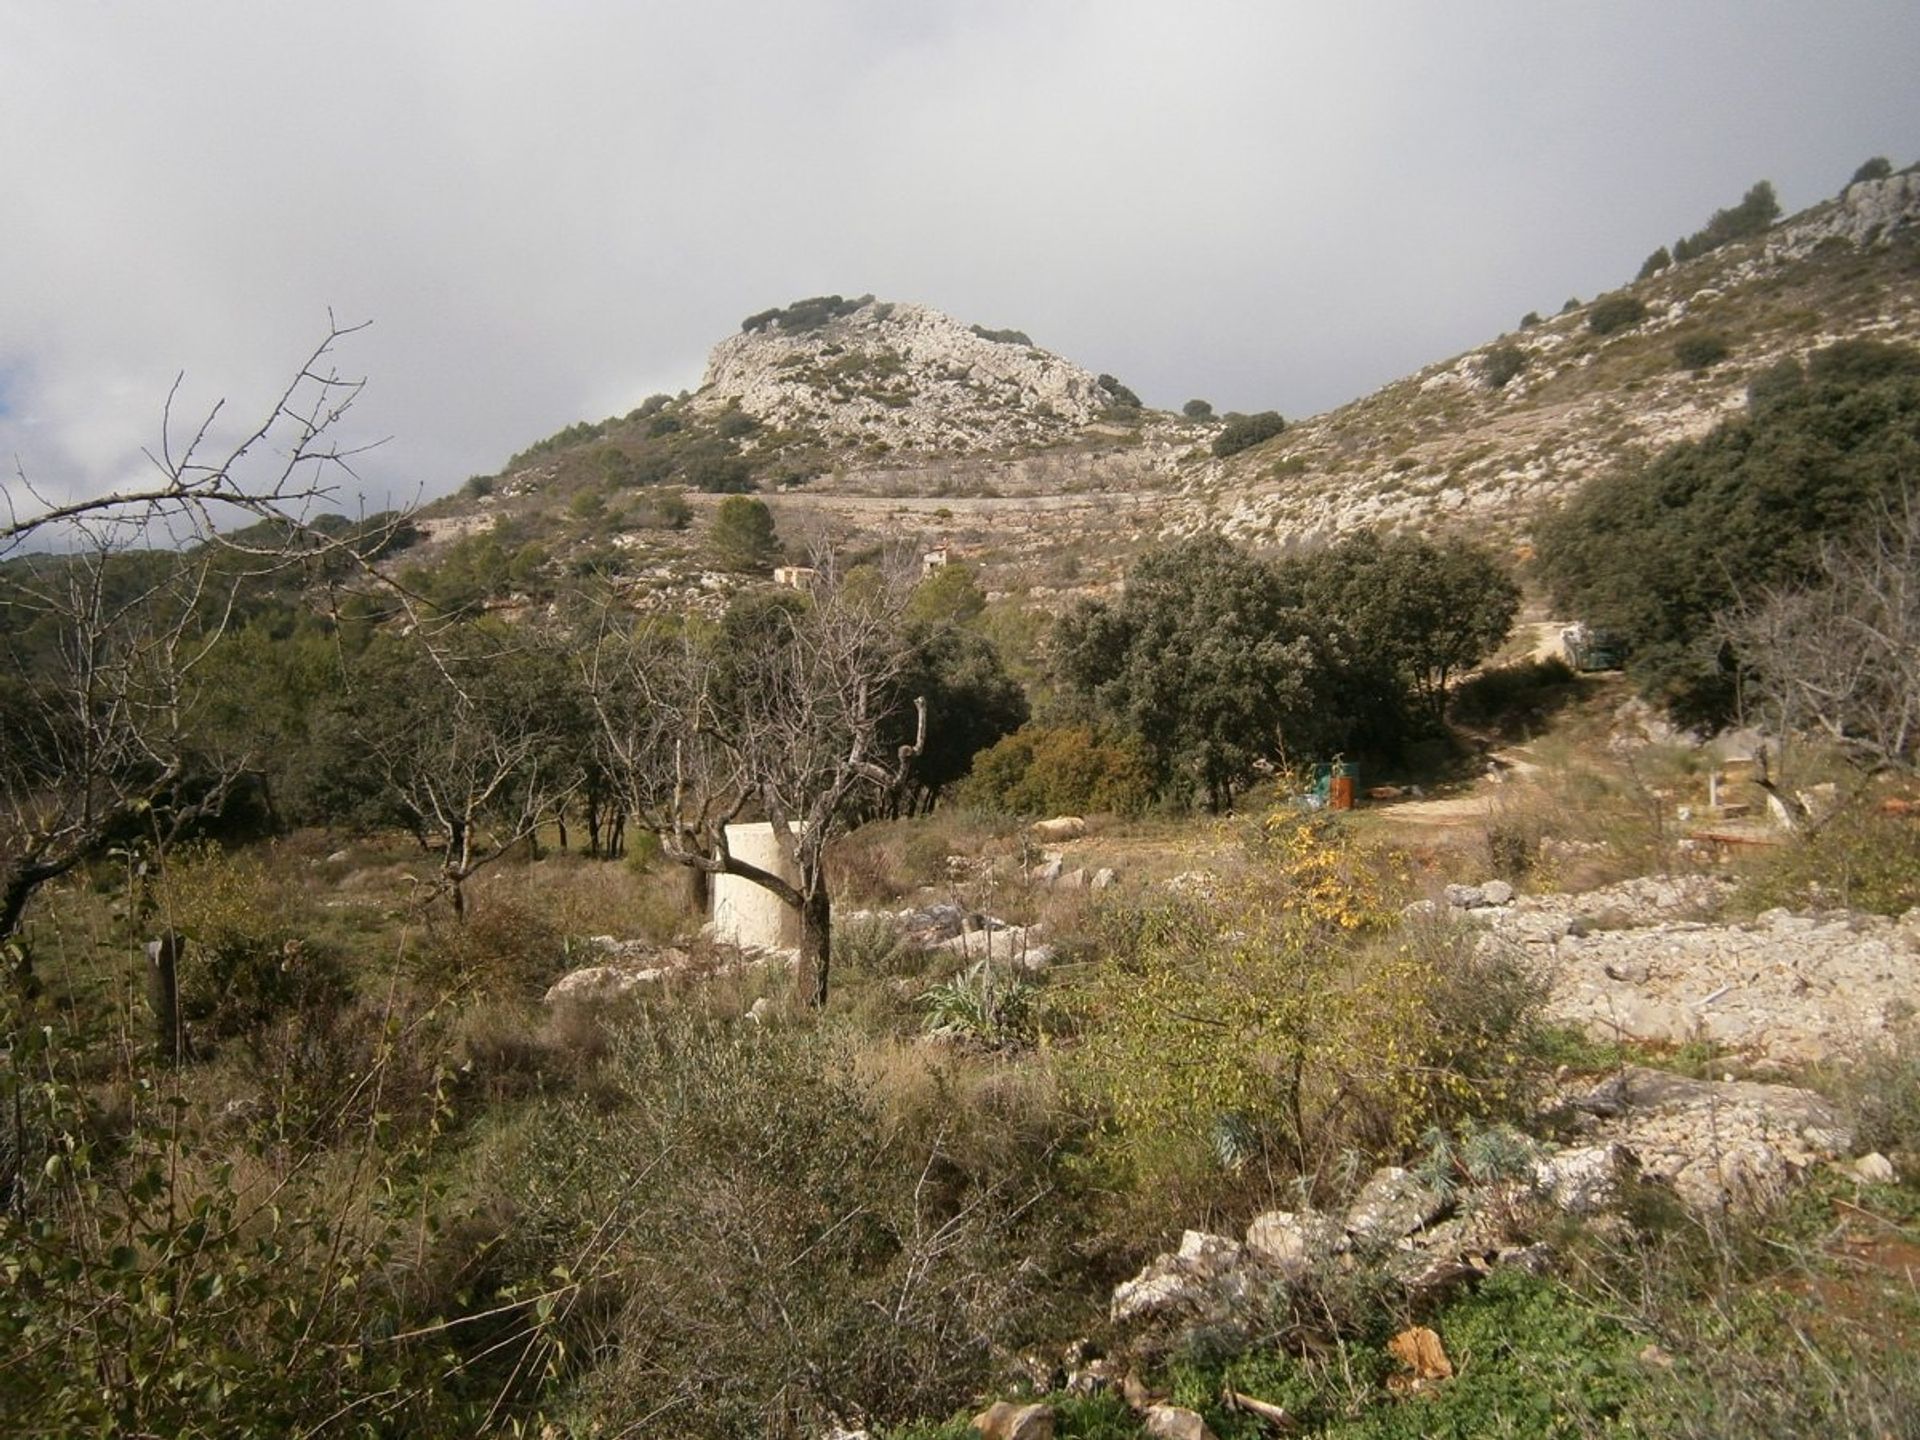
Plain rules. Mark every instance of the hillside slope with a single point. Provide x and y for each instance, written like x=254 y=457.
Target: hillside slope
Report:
x=1452 y=445
x=868 y=422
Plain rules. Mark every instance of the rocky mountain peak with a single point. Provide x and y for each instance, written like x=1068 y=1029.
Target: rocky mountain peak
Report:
x=900 y=378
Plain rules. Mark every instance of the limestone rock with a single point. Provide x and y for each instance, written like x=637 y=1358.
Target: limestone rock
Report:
x=1294 y=1243
x=1587 y=1179
x=1874 y=1169
x=1003 y=1420
x=600 y=984
x=1207 y=1278
x=1062 y=827
x=1392 y=1205
x=906 y=377
x=1496 y=892
x=1174 y=1422
x=1720 y=1144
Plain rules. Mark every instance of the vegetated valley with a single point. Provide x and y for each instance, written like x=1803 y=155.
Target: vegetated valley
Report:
x=903 y=892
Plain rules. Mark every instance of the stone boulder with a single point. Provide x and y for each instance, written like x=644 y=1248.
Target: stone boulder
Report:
x=1004 y=1420
x=1393 y=1204
x=602 y=984
x=1587 y=1179
x=1207 y=1279
x=1295 y=1243
x=1721 y=1144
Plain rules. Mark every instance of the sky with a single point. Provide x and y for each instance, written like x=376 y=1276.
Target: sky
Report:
x=546 y=212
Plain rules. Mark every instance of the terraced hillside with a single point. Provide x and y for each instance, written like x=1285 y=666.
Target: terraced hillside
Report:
x=867 y=423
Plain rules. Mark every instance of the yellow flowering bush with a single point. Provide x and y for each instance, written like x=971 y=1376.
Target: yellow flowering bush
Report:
x=1287 y=1018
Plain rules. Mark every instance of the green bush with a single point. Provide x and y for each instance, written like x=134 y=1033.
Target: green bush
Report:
x=1701 y=352
x=1197 y=410
x=1243 y=432
x=1120 y=395
x=1283 y=1022
x=1512 y=700
x=1501 y=364
x=803 y=315
x=1858 y=860
x=1002 y=337
x=1655 y=263
x=1757 y=210
x=245 y=960
x=762 y=1231
x=1878 y=168
x=1615 y=313
x=1058 y=770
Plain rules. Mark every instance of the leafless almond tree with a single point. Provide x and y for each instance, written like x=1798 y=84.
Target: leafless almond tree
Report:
x=465 y=732
x=774 y=714
x=111 y=604
x=1840 y=657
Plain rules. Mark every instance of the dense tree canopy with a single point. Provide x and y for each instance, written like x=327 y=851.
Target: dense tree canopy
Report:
x=1653 y=553
x=1213 y=660
x=1422 y=611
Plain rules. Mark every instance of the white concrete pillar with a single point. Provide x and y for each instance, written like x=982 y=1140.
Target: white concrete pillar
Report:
x=746 y=914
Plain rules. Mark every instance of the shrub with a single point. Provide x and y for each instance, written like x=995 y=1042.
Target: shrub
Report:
x=803 y=315
x=1757 y=209
x=1615 y=313
x=743 y=536
x=1878 y=168
x=1197 y=410
x=1243 y=432
x=1058 y=770
x=1512 y=700
x=1655 y=263
x=1700 y=352
x=1859 y=859
x=760 y=1234
x=1501 y=364
x=1002 y=337
x=478 y=487
x=1286 y=1016
x=1530 y=319
x=506 y=950
x=1122 y=397
x=245 y=960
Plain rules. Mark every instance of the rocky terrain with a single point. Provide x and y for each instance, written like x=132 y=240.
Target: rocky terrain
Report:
x=889 y=377
x=1636 y=961
x=1451 y=444
x=873 y=422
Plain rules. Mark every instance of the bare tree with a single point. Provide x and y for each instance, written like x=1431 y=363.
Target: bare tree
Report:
x=278 y=469
x=1840 y=657
x=775 y=714
x=109 y=608
x=471 y=748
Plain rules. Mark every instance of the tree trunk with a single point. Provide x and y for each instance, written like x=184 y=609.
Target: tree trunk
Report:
x=699 y=890
x=816 y=945
x=13 y=906
x=163 y=993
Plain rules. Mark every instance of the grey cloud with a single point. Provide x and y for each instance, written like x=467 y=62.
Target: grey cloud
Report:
x=550 y=211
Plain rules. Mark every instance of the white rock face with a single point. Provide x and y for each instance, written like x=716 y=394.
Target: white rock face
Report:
x=906 y=377
x=1781 y=987
x=1868 y=213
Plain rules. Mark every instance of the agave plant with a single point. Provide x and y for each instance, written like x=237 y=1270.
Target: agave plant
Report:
x=979 y=1004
